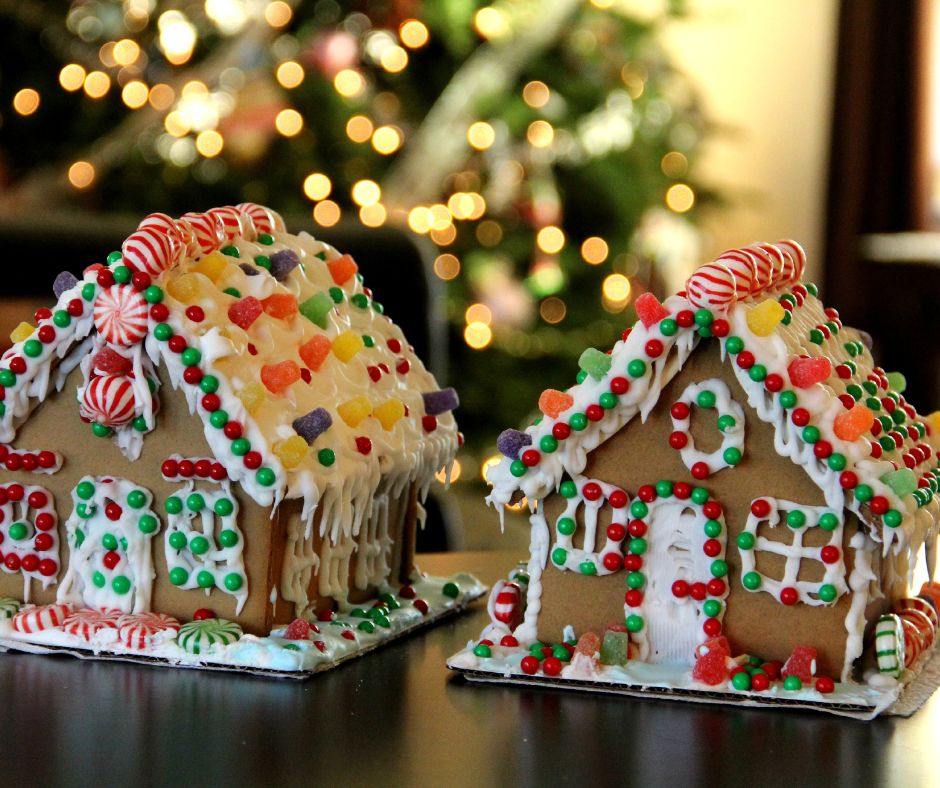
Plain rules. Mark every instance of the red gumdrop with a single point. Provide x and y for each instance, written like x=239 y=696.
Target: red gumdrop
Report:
x=109 y=362
x=277 y=377
x=589 y=643
x=243 y=313
x=298 y=629
x=280 y=305
x=719 y=644
x=649 y=310
x=313 y=352
x=801 y=663
x=804 y=372
x=711 y=668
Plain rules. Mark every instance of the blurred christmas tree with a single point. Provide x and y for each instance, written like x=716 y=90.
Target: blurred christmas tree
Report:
x=543 y=147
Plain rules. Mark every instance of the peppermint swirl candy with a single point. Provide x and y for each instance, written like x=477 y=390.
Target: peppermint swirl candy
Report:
x=120 y=315
x=86 y=623
x=205 y=229
x=141 y=630
x=36 y=618
x=199 y=637
x=151 y=249
x=229 y=221
x=109 y=400
x=263 y=219
x=9 y=606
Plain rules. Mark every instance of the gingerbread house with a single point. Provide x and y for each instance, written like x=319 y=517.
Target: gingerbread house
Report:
x=215 y=449
x=735 y=476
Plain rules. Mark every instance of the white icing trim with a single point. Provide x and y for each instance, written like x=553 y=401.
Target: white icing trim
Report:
x=732 y=438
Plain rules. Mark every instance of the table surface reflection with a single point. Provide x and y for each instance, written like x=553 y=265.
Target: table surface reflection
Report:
x=398 y=717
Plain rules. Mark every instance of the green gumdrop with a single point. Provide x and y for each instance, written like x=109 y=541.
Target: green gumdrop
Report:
x=595 y=362
x=316 y=308
x=902 y=481
x=897 y=382
x=615 y=648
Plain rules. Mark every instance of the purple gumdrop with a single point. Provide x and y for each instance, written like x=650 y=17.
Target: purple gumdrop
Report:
x=313 y=424
x=438 y=402
x=282 y=263
x=510 y=442
x=64 y=281
x=249 y=269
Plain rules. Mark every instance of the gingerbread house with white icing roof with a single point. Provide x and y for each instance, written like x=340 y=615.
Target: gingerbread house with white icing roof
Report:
x=215 y=449
x=735 y=476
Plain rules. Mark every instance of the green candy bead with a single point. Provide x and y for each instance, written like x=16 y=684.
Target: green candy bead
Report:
x=266 y=239
x=836 y=461
x=209 y=384
x=751 y=581
x=228 y=538
x=726 y=423
x=663 y=488
x=638 y=545
x=98 y=579
x=177 y=540
x=792 y=683
x=173 y=505
x=578 y=421
x=89 y=291
x=32 y=347
x=566 y=526
x=587 y=568
x=366 y=626
x=796 y=518
x=122 y=274
x=136 y=499
x=639 y=509
x=101 y=430
x=668 y=327
x=811 y=434
x=711 y=608
x=230 y=251
x=580 y=377
x=703 y=317
x=263 y=261
x=719 y=568
x=892 y=518
x=85 y=490
x=828 y=521
x=199 y=545
x=706 y=399
x=121 y=585
x=559 y=556
x=732 y=455
x=191 y=356
x=757 y=373
x=265 y=477
x=712 y=528
x=326 y=457
x=608 y=400
x=218 y=418
x=61 y=318
x=788 y=399
x=741 y=681
x=162 y=331
x=699 y=495
x=548 y=443
x=451 y=590
x=223 y=507
x=636 y=368
x=205 y=579
x=636 y=580
x=864 y=492
x=734 y=345
x=634 y=623
x=195 y=502
x=827 y=592
x=147 y=524
x=18 y=531
x=745 y=541
x=517 y=468
x=483 y=651
x=233 y=291
x=153 y=294
x=178 y=576
x=140 y=424
x=240 y=447
x=109 y=542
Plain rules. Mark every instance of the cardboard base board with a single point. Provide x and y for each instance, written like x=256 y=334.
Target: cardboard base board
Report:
x=273 y=656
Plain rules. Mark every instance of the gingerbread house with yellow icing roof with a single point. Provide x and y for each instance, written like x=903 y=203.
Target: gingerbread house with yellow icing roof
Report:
x=214 y=435
x=734 y=488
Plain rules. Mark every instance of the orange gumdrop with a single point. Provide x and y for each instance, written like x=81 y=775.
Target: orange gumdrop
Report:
x=342 y=268
x=277 y=377
x=281 y=305
x=553 y=402
x=314 y=351
x=851 y=424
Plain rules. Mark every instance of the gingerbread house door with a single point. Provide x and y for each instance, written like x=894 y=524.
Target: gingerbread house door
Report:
x=674 y=622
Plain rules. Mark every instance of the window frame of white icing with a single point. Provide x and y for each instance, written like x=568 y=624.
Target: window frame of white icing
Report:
x=18 y=509
x=793 y=552
x=374 y=547
x=333 y=575
x=725 y=405
x=90 y=518
x=205 y=524
x=593 y=494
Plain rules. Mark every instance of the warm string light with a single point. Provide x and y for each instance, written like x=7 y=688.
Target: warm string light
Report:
x=680 y=198
x=326 y=213
x=594 y=250
x=446 y=267
x=317 y=186
x=26 y=101
x=413 y=33
x=359 y=128
x=289 y=74
x=289 y=122
x=81 y=174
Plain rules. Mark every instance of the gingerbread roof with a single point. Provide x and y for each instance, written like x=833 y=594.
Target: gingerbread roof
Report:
x=303 y=386
x=835 y=413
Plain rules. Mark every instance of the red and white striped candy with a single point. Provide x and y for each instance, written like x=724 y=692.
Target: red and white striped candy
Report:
x=739 y=274
x=85 y=623
x=150 y=250
x=264 y=219
x=507 y=604
x=922 y=605
x=139 y=630
x=36 y=618
x=120 y=315
x=914 y=644
x=205 y=230
x=229 y=221
x=922 y=622
x=109 y=400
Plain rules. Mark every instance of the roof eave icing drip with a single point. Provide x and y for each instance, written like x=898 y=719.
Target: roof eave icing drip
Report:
x=803 y=372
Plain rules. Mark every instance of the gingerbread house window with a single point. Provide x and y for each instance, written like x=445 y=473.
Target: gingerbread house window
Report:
x=374 y=547
x=709 y=397
x=204 y=546
x=580 y=545
x=800 y=558
x=29 y=543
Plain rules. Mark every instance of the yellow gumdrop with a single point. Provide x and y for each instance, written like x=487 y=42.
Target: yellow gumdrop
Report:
x=346 y=345
x=184 y=288
x=292 y=451
x=212 y=265
x=389 y=412
x=354 y=410
x=21 y=332
x=764 y=318
x=252 y=396
x=933 y=420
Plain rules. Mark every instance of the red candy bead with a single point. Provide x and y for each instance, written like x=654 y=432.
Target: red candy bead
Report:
x=680 y=589
x=37 y=499
x=700 y=470
x=186 y=469
x=47 y=334
x=42 y=314
x=192 y=375
x=789 y=595
x=75 y=307
x=720 y=328
x=591 y=491
x=529 y=665
x=177 y=343
x=394 y=345
x=113 y=512
x=48 y=567
x=217 y=471
x=616 y=532
x=715 y=587
x=195 y=313
x=45 y=521
x=508 y=641
x=429 y=423
x=682 y=490
x=825 y=685
x=111 y=559
x=12 y=562
x=712 y=510
x=531 y=458
x=829 y=554
x=654 y=348
x=647 y=493
x=252 y=461
x=685 y=318
x=203 y=467
x=633 y=598
x=140 y=280
x=745 y=359
x=363 y=445
x=211 y=402
x=618 y=499
x=30 y=563
x=594 y=412
x=30 y=463
x=712 y=548
x=760 y=682
x=17 y=365
x=847 y=400
x=760 y=508
x=105 y=278
x=619 y=385
x=202 y=614
x=159 y=313
x=632 y=563
x=679 y=410
x=561 y=431
x=848 y=480
x=403 y=366
x=878 y=504
x=698 y=591
x=15 y=492
x=637 y=528
x=551 y=666
x=800 y=417
x=712 y=627
x=232 y=430
x=612 y=561
x=773 y=382
x=822 y=449
x=678 y=439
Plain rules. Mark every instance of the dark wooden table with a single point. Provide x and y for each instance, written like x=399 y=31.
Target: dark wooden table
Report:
x=398 y=717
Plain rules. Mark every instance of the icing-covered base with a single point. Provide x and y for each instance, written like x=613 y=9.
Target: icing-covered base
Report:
x=675 y=682
x=328 y=644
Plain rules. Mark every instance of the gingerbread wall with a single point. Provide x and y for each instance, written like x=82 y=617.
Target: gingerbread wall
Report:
x=638 y=454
